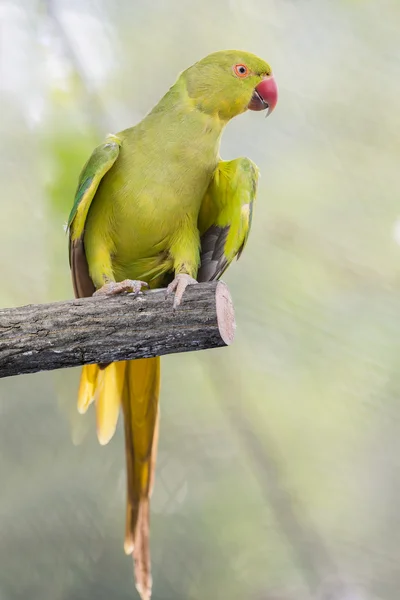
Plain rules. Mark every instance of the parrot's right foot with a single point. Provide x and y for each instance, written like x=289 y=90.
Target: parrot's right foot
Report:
x=179 y=285
x=128 y=285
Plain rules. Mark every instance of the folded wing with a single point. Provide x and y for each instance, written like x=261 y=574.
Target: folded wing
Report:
x=225 y=216
x=101 y=161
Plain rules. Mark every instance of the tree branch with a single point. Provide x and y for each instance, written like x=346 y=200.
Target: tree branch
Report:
x=101 y=330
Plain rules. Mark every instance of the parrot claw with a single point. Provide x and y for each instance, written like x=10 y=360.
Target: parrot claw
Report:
x=179 y=285
x=128 y=285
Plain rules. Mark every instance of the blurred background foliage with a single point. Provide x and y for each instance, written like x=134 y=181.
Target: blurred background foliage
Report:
x=278 y=476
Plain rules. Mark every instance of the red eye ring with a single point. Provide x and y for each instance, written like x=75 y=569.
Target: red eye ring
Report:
x=240 y=70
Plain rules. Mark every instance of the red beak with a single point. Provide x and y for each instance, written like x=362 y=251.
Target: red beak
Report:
x=265 y=95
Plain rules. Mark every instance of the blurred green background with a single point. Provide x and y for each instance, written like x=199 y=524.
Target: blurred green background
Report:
x=278 y=474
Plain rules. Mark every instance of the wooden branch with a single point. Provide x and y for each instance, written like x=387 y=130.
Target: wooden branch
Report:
x=101 y=330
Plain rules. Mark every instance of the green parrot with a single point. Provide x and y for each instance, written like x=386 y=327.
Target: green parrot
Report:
x=157 y=207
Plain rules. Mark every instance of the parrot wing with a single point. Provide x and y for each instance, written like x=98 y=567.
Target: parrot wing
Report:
x=101 y=161
x=225 y=216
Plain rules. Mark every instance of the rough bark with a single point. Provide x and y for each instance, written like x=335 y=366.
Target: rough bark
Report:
x=102 y=330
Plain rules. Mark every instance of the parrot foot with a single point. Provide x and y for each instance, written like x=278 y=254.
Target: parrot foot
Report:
x=179 y=285
x=128 y=285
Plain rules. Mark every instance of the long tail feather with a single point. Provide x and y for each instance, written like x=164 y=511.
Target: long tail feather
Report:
x=136 y=385
x=140 y=405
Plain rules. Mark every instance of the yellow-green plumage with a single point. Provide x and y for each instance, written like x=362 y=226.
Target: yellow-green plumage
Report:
x=147 y=205
x=153 y=202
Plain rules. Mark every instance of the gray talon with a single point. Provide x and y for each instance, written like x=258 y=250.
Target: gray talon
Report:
x=179 y=285
x=128 y=285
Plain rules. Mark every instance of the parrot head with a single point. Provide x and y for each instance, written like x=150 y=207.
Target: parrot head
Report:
x=229 y=82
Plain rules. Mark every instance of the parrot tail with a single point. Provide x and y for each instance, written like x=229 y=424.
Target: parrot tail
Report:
x=140 y=406
x=136 y=385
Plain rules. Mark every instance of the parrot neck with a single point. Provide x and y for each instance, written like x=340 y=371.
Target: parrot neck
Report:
x=190 y=118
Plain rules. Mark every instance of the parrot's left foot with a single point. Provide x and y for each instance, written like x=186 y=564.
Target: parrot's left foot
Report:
x=128 y=285
x=179 y=285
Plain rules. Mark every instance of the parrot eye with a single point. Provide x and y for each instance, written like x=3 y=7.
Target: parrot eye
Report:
x=241 y=70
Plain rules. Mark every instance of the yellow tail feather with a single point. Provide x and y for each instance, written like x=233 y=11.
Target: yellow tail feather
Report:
x=136 y=385
x=87 y=387
x=140 y=406
x=111 y=381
